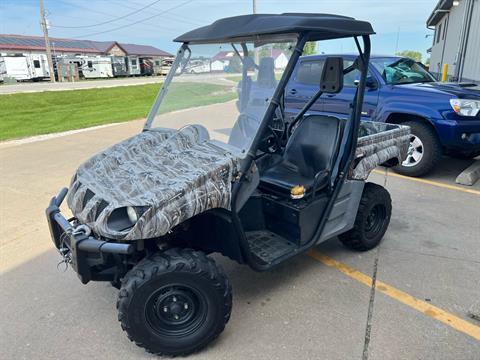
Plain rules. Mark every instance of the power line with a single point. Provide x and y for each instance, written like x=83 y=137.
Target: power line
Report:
x=179 y=18
x=149 y=25
x=137 y=22
x=170 y=17
x=109 y=21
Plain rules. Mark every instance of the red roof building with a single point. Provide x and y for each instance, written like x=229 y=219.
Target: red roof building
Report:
x=10 y=43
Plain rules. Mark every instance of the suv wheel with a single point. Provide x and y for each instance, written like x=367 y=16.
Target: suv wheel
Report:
x=174 y=303
x=372 y=220
x=424 y=151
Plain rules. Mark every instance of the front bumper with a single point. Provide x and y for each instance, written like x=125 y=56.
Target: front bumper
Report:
x=459 y=135
x=88 y=256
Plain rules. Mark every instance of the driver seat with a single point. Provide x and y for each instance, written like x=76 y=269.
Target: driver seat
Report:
x=308 y=158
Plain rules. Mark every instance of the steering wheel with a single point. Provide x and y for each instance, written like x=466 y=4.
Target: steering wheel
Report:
x=274 y=141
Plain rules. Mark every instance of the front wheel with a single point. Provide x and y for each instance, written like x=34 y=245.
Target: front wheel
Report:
x=174 y=303
x=372 y=220
x=424 y=151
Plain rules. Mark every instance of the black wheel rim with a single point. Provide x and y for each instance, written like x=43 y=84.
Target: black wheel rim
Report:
x=176 y=310
x=375 y=220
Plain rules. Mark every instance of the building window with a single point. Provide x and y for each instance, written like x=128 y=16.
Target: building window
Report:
x=90 y=64
x=157 y=62
x=134 y=62
x=439 y=32
x=36 y=63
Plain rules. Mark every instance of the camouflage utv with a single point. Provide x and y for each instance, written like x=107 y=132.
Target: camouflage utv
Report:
x=237 y=178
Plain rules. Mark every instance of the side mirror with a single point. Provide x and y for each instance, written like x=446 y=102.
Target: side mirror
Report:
x=370 y=82
x=331 y=81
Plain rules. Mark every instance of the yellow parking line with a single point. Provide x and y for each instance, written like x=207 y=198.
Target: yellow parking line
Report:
x=406 y=299
x=430 y=182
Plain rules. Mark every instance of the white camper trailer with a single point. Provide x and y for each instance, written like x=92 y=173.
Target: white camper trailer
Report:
x=133 y=65
x=15 y=67
x=24 y=67
x=97 y=67
x=38 y=66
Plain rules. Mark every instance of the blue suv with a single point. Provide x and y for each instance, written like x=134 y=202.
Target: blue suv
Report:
x=444 y=117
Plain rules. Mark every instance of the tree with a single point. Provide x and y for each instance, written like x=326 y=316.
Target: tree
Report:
x=412 y=54
x=310 y=48
x=235 y=66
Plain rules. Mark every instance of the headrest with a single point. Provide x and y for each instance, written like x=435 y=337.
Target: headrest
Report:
x=266 y=73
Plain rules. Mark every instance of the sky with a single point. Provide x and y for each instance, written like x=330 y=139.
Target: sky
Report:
x=399 y=24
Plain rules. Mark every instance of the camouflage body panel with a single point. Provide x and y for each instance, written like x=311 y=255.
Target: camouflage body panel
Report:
x=378 y=143
x=172 y=175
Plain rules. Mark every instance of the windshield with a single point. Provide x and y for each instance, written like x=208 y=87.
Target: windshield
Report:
x=401 y=71
x=226 y=88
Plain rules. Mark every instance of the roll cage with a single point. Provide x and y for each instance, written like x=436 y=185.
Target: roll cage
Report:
x=348 y=143
x=343 y=161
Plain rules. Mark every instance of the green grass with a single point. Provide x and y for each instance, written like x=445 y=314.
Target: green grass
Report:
x=235 y=78
x=30 y=114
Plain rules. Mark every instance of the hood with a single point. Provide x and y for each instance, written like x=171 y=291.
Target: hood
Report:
x=460 y=90
x=168 y=175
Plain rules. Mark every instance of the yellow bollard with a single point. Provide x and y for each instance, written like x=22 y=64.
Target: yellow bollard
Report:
x=444 y=72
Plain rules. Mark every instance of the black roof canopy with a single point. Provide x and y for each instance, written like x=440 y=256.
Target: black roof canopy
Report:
x=260 y=26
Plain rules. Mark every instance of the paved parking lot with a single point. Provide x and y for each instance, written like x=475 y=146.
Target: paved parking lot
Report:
x=317 y=306
x=27 y=87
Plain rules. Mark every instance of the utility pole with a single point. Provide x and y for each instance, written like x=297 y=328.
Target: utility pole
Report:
x=256 y=56
x=43 y=22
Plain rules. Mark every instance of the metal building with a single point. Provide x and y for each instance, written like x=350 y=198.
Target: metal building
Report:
x=20 y=44
x=456 y=41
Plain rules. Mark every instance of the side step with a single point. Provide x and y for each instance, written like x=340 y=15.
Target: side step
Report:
x=268 y=246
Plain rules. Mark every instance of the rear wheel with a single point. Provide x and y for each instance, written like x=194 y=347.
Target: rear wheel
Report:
x=174 y=303
x=373 y=218
x=424 y=151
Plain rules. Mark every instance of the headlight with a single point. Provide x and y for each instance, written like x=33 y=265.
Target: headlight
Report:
x=132 y=214
x=465 y=107
x=125 y=218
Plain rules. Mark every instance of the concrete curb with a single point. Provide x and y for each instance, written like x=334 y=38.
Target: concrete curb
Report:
x=44 y=137
x=470 y=175
x=474 y=311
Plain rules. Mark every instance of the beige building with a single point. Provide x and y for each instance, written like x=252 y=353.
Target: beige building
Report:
x=456 y=40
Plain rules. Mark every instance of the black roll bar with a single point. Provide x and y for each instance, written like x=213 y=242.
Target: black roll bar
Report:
x=343 y=163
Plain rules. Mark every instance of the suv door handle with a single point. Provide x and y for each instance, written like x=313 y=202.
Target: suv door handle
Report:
x=293 y=91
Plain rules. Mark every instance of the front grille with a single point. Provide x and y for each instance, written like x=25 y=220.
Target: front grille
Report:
x=76 y=186
x=89 y=194
x=103 y=204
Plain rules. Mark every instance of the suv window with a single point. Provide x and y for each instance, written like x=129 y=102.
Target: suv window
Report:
x=309 y=72
x=401 y=71
x=349 y=79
